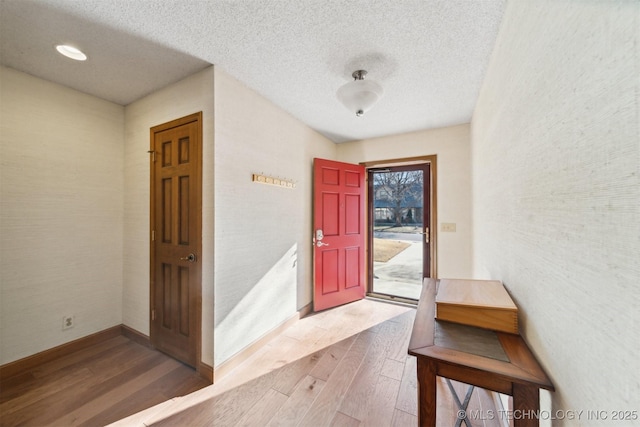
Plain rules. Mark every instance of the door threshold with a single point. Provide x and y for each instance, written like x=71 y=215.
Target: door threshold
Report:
x=407 y=302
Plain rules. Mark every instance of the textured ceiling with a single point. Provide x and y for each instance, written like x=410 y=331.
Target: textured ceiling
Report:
x=429 y=56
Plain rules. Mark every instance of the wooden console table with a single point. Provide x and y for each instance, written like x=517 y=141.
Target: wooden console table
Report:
x=495 y=361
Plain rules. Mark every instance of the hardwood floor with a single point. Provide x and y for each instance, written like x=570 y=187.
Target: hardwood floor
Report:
x=95 y=386
x=342 y=367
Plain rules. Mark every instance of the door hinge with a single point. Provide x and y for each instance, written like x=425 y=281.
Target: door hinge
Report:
x=153 y=235
x=153 y=155
x=153 y=314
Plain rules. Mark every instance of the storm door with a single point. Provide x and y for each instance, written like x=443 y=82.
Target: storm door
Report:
x=399 y=200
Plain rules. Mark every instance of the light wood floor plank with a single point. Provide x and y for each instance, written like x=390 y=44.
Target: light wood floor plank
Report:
x=225 y=409
x=392 y=369
x=342 y=420
x=287 y=379
x=488 y=409
x=446 y=405
x=381 y=405
x=402 y=327
x=408 y=394
x=264 y=409
x=323 y=409
x=363 y=385
x=331 y=358
x=404 y=419
x=294 y=409
x=280 y=354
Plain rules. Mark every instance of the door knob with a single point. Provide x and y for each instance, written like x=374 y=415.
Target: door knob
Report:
x=319 y=244
x=190 y=258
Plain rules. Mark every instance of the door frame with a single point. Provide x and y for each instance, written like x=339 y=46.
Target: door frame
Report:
x=432 y=160
x=196 y=117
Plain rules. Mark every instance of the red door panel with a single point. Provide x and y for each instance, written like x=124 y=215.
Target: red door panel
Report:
x=339 y=274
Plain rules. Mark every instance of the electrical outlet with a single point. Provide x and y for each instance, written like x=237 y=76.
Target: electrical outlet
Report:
x=68 y=322
x=449 y=227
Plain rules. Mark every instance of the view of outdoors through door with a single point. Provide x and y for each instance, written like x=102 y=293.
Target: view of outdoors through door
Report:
x=399 y=233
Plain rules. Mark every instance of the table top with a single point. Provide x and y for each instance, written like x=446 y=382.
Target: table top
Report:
x=473 y=354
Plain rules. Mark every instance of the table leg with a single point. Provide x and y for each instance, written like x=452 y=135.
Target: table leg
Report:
x=526 y=406
x=426 y=393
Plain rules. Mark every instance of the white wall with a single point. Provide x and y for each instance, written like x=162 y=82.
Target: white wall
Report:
x=262 y=233
x=556 y=193
x=75 y=211
x=261 y=266
x=451 y=145
x=193 y=94
x=61 y=214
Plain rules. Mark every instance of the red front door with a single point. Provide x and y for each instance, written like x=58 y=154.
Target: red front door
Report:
x=338 y=239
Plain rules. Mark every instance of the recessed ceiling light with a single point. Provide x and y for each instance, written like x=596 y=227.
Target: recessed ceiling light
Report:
x=71 y=52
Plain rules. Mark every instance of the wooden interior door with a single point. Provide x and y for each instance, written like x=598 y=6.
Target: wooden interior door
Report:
x=176 y=205
x=339 y=233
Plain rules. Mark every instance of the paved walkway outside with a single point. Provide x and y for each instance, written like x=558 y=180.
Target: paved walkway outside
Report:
x=402 y=274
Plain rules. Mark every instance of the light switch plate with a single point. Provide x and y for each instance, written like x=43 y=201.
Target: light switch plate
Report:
x=449 y=227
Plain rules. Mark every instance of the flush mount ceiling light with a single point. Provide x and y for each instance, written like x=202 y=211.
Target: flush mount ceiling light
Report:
x=360 y=94
x=71 y=52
